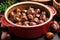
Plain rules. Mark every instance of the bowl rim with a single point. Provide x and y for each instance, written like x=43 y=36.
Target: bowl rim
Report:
x=56 y=2
x=50 y=18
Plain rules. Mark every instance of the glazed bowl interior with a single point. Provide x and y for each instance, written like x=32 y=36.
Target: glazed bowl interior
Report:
x=26 y=5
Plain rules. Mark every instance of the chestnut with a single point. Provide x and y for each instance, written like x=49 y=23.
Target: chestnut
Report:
x=24 y=11
x=19 y=23
x=55 y=22
x=30 y=16
x=41 y=21
x=31 y=11
x=12 y=19
x=32 y=23
x=43 y=13
x=44 y=17
x=36 y=20
x=16 y=15
x=24 y=17
x=11 y=14
x=26 y=23
x=19 y=13
x=38 y=15
x=2 y=26
x=18 y=10
x=37 y=10
x=23 y=14
x=49 y=35
x=55 y=26
x=17 y=19
x=5 y=36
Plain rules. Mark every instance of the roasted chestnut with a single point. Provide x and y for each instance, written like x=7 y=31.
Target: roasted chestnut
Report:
x=49 y=35
x=31 y=11
x=55 y=26
x=26 y=23
x=17 y=19
x=32 y=23
x=36 y=20
x=30 y=16
x=24 y=17
x=24 y=11
x=19 y=23
x=23 y=14
x=11 y=14
x=44 y=17
x=16 y=15
x=41 y=21
x=19 y=13
x=38 y=15
x=18 y=10
x=43 y=13
x=37 y=10
x=5 y=36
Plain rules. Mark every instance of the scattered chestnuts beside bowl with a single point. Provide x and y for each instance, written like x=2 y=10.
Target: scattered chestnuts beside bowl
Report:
x=55 y=26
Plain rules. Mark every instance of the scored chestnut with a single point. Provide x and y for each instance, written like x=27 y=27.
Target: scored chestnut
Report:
x=36 y=20
x=41 y=21
x=26 y=23
x=31 y=11
x=11 y=14
x=19 y=23
x=49 y=35
x=17 y=19
x=38 y=15
x=16 y=15
x=30 y=16
x=18 y=10
x=12 y=19
x=44 y=17
x=23 y=14
x=24 y=17
x=24 y=11
x=37 y=10
x=32 y=23
x=19 y=13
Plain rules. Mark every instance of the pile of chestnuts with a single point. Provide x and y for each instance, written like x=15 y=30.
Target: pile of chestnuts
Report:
x=28 y=17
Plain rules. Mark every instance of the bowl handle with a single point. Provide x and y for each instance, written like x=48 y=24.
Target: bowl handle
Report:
x=53 y=10
x=4 y=22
